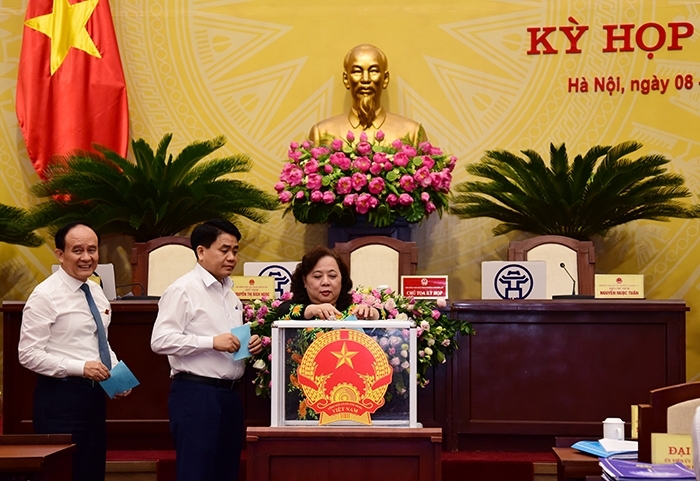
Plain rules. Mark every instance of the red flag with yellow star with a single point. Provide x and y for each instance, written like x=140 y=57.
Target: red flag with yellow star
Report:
x=71 y=91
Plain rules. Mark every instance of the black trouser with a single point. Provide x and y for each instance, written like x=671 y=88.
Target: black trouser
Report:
x=75 y=406
x=207 y=427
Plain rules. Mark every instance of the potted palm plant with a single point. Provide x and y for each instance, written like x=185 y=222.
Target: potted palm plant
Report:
x=597 y=191
x=155 y=196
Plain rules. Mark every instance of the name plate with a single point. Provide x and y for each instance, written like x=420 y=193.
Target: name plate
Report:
x=672 y=448
x=424 y=287
x=619 y=286
x=253 y=287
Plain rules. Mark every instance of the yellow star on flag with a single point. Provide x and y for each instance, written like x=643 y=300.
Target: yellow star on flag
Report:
x=65 y=26
x=344 y=356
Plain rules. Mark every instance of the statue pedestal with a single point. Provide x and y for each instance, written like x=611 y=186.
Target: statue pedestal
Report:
x=401 y=229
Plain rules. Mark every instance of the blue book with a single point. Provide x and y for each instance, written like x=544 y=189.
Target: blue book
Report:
x=597 y=449
x=622 y=470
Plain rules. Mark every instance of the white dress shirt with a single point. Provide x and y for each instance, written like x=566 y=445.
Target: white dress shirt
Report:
x=191 y=312
x=58 y=334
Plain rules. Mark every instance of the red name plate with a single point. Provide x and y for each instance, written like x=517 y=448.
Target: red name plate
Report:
x=424 y=287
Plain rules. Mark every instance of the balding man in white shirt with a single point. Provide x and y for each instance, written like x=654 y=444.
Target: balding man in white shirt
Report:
x=63 y=339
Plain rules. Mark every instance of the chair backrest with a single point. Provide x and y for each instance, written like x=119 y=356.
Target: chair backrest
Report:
x=695 y=443
x=158 y=262
x=577 y=256
x=378 y=260
x=670 y=410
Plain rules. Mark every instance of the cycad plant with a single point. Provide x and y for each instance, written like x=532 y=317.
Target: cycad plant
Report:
x=589 y=196
x=155 y=196
x=15 y=227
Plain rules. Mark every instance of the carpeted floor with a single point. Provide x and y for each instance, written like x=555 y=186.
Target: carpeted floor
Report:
x=456 y=466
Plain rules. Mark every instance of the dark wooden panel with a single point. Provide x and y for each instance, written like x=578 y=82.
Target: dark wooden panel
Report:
x=294 y=468
x=539 y=369
x=337 y=454
x=534 y=370
x=139 y=421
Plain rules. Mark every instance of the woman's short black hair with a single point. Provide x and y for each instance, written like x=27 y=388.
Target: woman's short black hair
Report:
x=307 y=264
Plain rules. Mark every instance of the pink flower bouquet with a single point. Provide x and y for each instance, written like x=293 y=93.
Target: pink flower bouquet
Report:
x=333 y=182
x=437 y=335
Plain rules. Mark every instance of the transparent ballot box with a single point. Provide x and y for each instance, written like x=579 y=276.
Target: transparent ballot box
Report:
x=344 y=373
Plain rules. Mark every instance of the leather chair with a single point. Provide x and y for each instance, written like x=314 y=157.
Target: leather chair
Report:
x=158 y=262
x=670 y=410
x=577 y=256
x=378 y=260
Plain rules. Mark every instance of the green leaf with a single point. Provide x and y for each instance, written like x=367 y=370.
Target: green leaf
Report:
x=393 y=175
x=157 y=195
x=16 y=227
x=440 y=356
x=595 y=193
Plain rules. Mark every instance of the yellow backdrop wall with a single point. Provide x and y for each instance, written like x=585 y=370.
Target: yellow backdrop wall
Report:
x=262 y=72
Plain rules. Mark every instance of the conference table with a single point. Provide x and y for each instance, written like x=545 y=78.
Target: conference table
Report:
x=573 y=464
x=540 y=369
x=534 y=370
x=36 y=457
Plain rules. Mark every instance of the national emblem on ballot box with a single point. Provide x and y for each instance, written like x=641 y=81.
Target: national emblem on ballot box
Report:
x=339 y=373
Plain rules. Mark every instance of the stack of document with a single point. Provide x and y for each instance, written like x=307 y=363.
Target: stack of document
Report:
x=621 y=470
x=608 y=448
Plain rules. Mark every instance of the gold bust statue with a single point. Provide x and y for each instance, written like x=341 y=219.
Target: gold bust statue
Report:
x=366 y=75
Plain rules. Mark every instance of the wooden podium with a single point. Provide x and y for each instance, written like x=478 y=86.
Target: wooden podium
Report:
x=343 y=454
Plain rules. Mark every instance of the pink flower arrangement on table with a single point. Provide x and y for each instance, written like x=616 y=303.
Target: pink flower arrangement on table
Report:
x=437 y=334
x=335 y=181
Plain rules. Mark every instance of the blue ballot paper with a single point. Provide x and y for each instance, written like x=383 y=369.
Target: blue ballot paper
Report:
x=243 y=335
x=352 y=317
x=120 y=380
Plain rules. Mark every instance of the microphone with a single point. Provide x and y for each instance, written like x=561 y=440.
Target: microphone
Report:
x=573 y=294
x=573 y=288
x=130 y=296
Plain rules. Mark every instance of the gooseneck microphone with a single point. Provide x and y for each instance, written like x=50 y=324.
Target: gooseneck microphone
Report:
x=573 y=294
x=573 y=288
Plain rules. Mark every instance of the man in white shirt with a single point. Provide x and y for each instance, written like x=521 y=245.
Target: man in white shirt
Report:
x=195 y=317
x=62 y=342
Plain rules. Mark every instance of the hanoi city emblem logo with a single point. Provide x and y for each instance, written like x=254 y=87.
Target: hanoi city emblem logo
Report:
x=281 y=275
x=344 y=375
x=513 y=281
